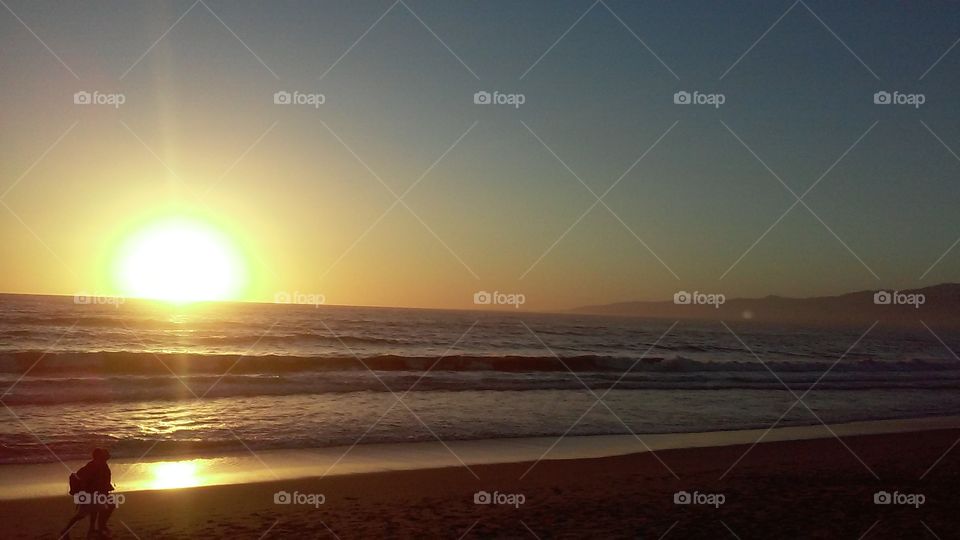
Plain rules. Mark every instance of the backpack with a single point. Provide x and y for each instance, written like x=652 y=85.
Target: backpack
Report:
x=76 y=485
x=77 y=481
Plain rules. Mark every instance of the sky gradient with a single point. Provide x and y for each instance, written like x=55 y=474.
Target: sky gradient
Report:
x=305 y=191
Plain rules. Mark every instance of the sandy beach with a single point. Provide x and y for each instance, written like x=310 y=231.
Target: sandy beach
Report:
x=812 y=488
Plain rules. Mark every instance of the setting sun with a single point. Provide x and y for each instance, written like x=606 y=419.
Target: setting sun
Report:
x=179 y=260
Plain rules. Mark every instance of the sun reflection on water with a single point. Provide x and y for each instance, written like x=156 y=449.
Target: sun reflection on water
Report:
x=174 y=474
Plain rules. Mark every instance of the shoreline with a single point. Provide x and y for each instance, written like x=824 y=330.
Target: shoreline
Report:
x=32 y=481
x=787 y=488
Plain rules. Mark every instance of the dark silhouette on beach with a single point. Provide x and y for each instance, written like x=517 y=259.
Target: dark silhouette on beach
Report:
x=91 y=487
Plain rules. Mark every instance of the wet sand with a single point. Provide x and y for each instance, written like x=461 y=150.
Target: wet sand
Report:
x=155 y=472
x=790 y=489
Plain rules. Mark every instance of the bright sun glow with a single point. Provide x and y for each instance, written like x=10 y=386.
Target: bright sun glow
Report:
x=174 y=474
x=180 y=260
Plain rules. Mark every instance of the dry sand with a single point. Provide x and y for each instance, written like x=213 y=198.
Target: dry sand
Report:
x=789 y=489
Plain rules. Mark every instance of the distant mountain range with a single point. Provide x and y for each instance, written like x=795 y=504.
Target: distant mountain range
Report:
x=937 y=305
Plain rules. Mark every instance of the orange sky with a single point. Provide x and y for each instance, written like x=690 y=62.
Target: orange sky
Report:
x=501 y=197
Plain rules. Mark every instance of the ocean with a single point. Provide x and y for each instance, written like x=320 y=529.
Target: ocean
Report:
x=209 y=379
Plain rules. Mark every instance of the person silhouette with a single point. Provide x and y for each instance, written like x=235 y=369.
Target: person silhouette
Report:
x=92 y=496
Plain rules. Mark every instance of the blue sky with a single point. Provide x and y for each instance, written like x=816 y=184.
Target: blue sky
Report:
x=496 y=211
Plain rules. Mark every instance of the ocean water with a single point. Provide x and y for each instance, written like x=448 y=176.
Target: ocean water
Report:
x=207 y=379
